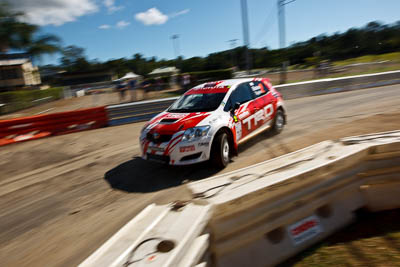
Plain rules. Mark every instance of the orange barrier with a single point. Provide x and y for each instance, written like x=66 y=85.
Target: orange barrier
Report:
x=29 y=128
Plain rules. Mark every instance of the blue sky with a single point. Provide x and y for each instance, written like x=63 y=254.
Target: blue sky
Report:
x=204 y=26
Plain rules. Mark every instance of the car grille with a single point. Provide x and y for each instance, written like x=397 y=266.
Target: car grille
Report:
x=191 y=157
x=158 y=158
x=163 y=138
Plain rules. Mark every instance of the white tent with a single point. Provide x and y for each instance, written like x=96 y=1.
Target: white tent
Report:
x=128 y=76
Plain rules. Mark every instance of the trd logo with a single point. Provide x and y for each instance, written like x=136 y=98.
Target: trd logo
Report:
x=261 y=115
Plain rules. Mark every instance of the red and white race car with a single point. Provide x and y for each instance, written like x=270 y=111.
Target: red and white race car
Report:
x=210 y=120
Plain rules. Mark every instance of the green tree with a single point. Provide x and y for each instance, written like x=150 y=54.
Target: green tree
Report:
x=70 y=55
x=22 y=36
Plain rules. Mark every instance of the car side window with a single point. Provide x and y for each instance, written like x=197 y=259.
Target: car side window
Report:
x=241 y=95
x=258 y=88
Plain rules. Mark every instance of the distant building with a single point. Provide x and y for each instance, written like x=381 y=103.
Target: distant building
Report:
x=86 y=77
x=17 y=72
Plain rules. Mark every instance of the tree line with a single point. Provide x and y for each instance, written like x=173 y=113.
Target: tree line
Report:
x=373 y=38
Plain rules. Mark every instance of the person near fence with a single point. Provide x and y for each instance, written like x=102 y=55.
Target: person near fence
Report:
x=186 y=82
x=121 y=88
x=132 y=89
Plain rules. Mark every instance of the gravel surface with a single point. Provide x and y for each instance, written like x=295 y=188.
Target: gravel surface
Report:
x=62 y=197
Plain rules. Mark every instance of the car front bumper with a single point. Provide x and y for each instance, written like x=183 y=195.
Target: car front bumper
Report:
x=176 y=151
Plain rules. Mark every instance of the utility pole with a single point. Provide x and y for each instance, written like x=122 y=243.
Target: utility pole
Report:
x=282 y=34
x=281 y=18
x=175 y=43
x=233 y=45
x=245 y=23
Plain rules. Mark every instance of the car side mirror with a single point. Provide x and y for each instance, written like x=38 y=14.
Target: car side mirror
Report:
x=236 y=106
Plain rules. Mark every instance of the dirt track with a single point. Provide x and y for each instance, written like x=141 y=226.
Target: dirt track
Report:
x=62 y=197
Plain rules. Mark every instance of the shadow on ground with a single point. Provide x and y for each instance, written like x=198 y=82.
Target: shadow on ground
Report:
x=140 y=176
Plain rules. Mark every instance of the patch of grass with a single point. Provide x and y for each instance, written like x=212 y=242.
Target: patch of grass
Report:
x=17 y=100
x=373 y=240
x=375 y=70
x=339 y=75
x=394 y=57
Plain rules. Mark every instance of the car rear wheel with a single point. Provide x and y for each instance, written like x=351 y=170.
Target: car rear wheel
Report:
x=220 y=151
x=279 y=122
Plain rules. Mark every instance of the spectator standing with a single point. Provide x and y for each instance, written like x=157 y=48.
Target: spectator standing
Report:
x=145 y=85
x=186 y=82
x=132 y=89
x=121 y=87
x=158 y=84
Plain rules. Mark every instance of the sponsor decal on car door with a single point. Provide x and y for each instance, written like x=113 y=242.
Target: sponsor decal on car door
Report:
x=263 y=106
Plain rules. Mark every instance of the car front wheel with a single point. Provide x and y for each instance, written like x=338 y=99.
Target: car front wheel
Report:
x=279 y=122
x=220 y=151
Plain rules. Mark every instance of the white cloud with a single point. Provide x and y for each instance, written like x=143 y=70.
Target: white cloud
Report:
x=111 y=7
x=182 y=12
x=104 y=27
x=122 y=24
x=151 y=17
x=109 y=3
x=53 y=12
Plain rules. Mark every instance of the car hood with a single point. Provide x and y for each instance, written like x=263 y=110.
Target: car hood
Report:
x=170 y=123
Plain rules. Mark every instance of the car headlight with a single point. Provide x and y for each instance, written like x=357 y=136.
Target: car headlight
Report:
x=195 y=132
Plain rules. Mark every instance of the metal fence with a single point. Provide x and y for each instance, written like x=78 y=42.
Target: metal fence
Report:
x=135 y=112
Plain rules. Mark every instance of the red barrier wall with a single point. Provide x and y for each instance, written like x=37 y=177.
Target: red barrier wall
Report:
x=28 y=128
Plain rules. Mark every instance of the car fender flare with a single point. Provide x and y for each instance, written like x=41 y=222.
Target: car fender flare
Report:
x=232 y=141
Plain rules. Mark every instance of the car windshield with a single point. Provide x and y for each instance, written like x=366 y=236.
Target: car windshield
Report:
x=197 y=103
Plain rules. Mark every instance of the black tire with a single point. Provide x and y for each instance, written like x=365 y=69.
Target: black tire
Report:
x=279 y=122
x=220 y=151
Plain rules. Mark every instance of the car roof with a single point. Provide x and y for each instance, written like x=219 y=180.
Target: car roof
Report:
x=220 y=86
x=226 y=83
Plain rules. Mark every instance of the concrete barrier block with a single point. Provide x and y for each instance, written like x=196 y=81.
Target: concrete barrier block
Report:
x=375 y=138
x=383 y=196
x=283 y=237
x=158 y=236
x=196 y=251
x=257 y=207
x=236 y=192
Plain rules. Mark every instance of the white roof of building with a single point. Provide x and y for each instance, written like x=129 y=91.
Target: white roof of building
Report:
x=13 y=62
x=164 y=70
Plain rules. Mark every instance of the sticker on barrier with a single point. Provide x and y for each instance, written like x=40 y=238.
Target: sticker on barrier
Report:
x=305 y=229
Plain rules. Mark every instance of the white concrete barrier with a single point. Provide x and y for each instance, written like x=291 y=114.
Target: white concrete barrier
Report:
x=168 y=235
x=268 y=212
x=265 y=213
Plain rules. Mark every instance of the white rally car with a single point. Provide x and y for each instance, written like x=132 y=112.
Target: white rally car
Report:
x=210 y=120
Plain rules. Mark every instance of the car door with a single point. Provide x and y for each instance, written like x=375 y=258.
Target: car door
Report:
x=264 y=103
x=244 y=114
